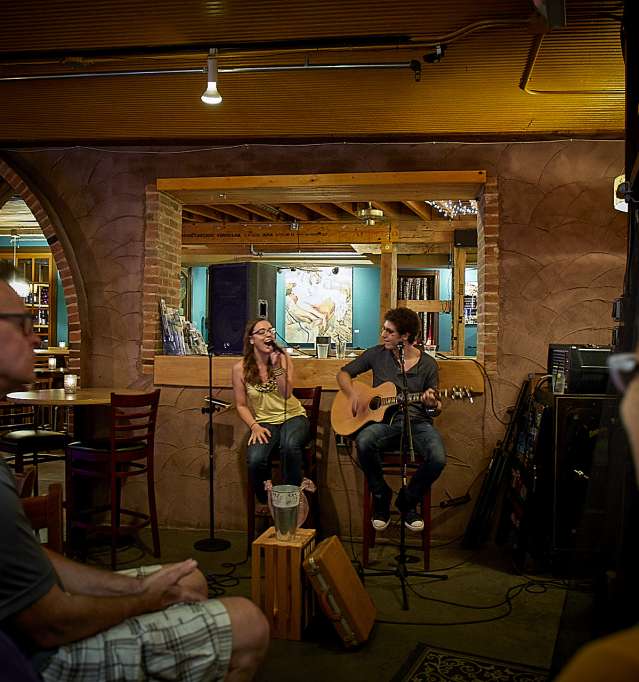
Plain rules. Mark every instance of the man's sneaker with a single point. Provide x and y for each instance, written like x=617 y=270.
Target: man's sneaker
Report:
x=381 y=519
x=413 y=521
x=381 y=509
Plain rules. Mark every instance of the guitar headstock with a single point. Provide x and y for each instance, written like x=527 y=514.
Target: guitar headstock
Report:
x=458 y=393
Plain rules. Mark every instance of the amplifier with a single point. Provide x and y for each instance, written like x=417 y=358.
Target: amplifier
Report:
x=584 y=366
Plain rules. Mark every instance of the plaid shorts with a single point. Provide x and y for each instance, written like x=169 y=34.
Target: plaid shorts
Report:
x=186 y=642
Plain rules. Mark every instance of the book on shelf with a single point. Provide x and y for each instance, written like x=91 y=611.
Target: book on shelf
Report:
x=179 y=336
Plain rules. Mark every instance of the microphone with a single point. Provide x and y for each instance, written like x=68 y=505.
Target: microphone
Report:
x=275 y=347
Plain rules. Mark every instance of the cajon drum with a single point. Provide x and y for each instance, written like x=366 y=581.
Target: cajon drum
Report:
x=341 y=594
x=278 y=583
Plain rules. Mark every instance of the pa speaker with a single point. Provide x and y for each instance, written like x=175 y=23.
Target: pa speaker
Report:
x=465 y=237
x=238 y=292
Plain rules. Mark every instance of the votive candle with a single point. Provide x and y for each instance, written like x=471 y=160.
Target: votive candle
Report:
x=70 y=383
x=52 y=363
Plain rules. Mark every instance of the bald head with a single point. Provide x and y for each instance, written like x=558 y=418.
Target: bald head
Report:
x=17 y=341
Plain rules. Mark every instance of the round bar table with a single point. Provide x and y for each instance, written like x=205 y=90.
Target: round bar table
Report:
x=84 y=426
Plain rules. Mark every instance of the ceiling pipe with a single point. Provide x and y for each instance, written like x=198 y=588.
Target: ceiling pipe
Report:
x=414 y=65
x=197 y=50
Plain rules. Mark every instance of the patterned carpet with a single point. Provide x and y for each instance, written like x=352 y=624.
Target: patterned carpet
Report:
x=431 y=664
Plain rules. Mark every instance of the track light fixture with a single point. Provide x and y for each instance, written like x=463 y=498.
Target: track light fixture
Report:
x=211 y=94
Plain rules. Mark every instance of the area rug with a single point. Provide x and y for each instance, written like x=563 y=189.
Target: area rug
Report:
x=432 y=664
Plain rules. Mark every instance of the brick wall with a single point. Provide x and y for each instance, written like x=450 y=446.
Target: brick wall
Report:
x=51 y=227
x=162 y=256
x=488 y=276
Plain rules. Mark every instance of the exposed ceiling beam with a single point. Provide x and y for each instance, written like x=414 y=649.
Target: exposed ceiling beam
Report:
x=332 y=187
x=312 y=233
x=327 y=210
x=348 y=207
x=272 y=214
x=386 y=208
x=295 y=210
x=234 y=211
x=205 y=212
x=420 y=209
x=403 y=248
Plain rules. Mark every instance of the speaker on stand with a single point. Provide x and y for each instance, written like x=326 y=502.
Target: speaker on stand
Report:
x=238 y=292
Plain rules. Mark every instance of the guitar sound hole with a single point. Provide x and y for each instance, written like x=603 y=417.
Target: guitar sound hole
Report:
x=375 y=403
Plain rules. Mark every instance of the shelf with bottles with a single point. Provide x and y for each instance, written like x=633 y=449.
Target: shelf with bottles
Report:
x=37 y=268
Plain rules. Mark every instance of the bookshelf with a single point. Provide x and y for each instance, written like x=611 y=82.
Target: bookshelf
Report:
x=419 y=291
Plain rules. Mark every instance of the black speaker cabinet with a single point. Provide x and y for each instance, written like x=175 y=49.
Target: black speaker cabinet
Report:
x=590 y=459
x=238 y=292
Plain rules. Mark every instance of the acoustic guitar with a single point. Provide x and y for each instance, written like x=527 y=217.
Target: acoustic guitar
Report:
x=375 y=401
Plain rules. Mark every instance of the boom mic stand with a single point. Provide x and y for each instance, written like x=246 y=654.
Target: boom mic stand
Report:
x=211 y=544
x=406 y=450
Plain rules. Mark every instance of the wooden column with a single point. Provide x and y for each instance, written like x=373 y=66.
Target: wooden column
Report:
x=388 y=279
x=459 y=278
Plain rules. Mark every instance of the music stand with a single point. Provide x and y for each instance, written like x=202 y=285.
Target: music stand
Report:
x=212 y=544
x=406 y=450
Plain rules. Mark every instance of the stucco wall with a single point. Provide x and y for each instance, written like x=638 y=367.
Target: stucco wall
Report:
x=561 y=262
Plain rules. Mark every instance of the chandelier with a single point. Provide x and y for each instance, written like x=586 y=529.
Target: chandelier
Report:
x=454 y=209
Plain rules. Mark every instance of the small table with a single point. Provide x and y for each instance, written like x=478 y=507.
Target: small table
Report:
x=80 y=400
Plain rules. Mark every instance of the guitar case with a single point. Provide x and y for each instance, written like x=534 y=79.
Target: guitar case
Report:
x=340 y=592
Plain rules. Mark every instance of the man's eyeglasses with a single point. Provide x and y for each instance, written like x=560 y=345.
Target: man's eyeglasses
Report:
x=386 y=330
x=23 y=321
x=263 y=332
x=623 y=369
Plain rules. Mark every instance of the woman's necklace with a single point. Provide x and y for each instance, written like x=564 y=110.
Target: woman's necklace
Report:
x=267 y=386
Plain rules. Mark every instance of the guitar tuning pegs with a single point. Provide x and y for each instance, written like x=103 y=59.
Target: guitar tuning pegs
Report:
x=469 y=394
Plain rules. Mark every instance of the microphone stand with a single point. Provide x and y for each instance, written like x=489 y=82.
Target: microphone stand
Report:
x=211 y=544
x=406 y=450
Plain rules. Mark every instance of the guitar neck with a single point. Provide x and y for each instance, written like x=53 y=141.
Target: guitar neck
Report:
x=394 y=400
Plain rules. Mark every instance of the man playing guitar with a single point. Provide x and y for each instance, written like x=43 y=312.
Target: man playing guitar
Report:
x=401 y=326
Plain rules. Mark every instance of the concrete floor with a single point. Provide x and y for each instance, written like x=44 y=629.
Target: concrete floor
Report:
x=467 y=612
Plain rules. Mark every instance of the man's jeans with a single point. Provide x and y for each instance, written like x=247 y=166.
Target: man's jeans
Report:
x=290 y=438
x=375 y=439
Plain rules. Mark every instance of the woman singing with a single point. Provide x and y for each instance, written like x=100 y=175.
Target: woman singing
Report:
x=263 y=390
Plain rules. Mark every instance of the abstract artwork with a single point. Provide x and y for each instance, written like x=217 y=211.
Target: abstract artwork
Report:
x=319 y=302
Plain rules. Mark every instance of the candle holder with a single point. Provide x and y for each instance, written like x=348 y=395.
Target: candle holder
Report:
x=70 y=383
x=52 y=363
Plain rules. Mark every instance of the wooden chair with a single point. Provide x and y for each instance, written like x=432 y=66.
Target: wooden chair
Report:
x=310 y=399
x=25 y=437
x=392 y=467
x=127 y=453
x=25 y=481
x=45 y=511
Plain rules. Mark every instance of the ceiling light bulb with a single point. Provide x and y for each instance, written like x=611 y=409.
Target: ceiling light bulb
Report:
x=211 y=94
x=20 y=286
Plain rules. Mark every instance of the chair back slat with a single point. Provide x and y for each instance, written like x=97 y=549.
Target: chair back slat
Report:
x=133 y=419
x=310 y=397
x=45 y=511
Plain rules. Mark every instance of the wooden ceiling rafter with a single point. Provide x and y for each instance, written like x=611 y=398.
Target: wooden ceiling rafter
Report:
x=420 y=209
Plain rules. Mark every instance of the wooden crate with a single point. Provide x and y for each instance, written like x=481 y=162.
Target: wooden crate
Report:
x=279 y=586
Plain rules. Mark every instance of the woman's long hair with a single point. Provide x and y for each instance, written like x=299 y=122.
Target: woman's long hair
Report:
x=251 y=371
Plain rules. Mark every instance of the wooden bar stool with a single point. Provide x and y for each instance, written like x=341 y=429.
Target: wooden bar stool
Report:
x=128 y=452
x=392 y=467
